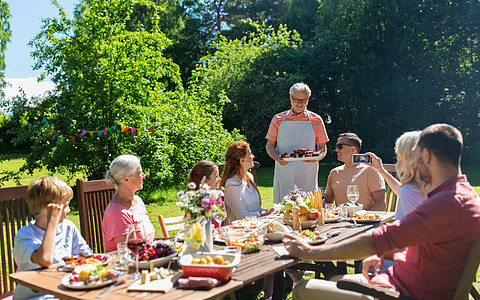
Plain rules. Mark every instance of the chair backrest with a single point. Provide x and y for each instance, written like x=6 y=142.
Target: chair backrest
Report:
x=256 y=165
x=465 y=284
x=14 y=214
x=170 y=224
x=93 y=197
x=391 y=197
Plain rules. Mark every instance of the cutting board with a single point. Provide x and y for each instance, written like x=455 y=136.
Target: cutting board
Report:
x=160 y=285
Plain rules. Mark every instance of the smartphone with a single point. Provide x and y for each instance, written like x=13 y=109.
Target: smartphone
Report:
x=361 y=158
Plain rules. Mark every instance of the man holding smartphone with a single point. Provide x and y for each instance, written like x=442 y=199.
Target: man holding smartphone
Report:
x=371 y=184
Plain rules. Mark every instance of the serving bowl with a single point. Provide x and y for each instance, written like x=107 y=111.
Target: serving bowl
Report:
x=277 y=236
x=351 y=209
x=156 y=262
x=249 y=241
x=218 y=271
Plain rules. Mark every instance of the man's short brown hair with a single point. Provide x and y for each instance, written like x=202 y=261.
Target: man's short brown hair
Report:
x=47 y=190
x=444 y=141
x=353 y=139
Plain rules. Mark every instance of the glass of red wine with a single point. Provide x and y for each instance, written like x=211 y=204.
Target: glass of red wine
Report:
x=136 y=241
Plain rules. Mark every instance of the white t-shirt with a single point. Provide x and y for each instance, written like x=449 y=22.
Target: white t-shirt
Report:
x=409 y=198
x=68 y=242
x=242 y=199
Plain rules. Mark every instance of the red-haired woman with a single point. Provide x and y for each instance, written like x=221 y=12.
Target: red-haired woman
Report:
x=241 y=192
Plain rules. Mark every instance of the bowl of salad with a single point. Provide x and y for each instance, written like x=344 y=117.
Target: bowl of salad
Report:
x=249 y=241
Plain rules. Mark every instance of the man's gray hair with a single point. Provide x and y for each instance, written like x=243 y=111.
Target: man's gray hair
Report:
x=300 y=86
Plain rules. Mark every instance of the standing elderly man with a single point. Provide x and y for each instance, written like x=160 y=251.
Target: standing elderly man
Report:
x=293 y=129
x=430 y=245
x=370 y=183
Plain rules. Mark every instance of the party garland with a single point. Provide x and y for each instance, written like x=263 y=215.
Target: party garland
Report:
x=98 y=132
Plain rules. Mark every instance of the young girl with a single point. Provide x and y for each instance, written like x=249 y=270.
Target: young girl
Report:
x=50 y=237
x=205 y=171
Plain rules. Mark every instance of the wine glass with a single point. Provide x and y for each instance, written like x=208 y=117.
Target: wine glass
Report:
x=352 y=193
x=136 y=241
x=220 y=216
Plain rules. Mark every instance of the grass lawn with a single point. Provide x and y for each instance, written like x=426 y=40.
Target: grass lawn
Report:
x=162 y=201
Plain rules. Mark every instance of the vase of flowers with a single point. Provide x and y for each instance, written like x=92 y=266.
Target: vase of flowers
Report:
x=199 y=206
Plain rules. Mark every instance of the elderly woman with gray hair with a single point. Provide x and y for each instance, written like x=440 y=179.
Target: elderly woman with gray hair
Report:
x=125 y=207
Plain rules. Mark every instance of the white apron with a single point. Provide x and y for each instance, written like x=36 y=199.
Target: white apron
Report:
x=293 y=135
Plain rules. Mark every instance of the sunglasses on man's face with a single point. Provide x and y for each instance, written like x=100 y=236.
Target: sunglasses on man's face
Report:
x=339 y=146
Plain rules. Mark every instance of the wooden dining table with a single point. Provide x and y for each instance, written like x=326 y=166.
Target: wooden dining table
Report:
x=253 y=266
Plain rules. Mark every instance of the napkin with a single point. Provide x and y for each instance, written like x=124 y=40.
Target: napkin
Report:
x=281 y=250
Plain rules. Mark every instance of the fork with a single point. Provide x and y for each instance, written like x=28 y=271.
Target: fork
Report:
x=354 y=222
x=109 y=288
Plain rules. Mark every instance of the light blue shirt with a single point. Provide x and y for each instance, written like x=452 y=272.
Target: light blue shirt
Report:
x=409 y=198
x=242 y=200
x=68 y=242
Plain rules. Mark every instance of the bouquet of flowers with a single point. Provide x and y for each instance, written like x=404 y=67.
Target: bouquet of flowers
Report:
x=200 y=203
x=297 y=196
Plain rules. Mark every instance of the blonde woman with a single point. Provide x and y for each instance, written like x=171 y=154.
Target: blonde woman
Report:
x=411 y=190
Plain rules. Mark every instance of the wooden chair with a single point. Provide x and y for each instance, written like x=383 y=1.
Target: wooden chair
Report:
x=170 y=224
x=391 y=197
x=256 y=165
x=14 y=214
x=93 y=197
x=464 y=288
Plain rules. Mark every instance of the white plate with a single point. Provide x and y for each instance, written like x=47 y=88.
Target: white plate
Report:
x=69 y=267
x=318 y=241
x=304 y=224
x=79 y=285
x=301 y=158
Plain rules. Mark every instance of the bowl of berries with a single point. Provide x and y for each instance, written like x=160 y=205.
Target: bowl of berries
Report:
x=156 y=254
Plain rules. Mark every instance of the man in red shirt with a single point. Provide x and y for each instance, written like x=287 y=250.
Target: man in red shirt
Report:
x=435 y=239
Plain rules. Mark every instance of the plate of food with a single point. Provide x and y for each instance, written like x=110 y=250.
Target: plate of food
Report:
x=86 y=277
x=365 y=217
x=313 y=237
x=247 y=223
x=276 y=230
x=71 y=262
x=304 y=158
x=301 y=154
x=329 y=216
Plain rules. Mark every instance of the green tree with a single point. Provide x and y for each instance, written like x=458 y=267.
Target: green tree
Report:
x=5 y=33
x=255 y=74
x=400 y=65
x=108 y=76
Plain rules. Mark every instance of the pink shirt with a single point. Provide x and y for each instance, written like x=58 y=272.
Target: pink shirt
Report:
x=117 y=217
x=317 y=124
x=438 y=237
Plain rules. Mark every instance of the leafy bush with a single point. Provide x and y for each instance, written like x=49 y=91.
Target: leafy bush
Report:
x=108 y=76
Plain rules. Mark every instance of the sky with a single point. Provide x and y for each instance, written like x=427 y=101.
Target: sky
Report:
x=25 y=24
